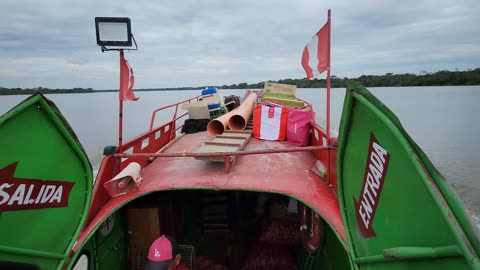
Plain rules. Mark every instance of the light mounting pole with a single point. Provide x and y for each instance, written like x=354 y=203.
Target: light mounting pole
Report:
x=116 y=32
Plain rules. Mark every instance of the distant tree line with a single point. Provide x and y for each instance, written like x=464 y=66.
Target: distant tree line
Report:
x=440 y=78
x=43 y=90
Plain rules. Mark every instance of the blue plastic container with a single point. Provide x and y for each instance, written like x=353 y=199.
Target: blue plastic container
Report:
x=213 y=106
x=209 y=91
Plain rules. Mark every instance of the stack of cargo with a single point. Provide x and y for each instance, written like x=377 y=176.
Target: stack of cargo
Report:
x=211 y=104
x=212 y=97
x=282 y=116
x=283 y=94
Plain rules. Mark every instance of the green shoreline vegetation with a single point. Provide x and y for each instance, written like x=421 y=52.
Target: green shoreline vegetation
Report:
x=440 y=78
x=43 y=90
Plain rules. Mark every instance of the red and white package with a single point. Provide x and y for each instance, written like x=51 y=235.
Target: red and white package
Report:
x=270 y=121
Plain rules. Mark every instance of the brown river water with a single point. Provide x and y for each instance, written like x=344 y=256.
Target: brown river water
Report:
x=442 y=120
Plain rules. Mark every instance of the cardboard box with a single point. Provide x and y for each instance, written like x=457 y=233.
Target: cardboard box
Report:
x=290 y=103
x=278 y=95
x=284 y=89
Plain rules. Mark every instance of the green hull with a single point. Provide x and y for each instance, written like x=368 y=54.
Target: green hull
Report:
x=399 y=212
x=45 y=185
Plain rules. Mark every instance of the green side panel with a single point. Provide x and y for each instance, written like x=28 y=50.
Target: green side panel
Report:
x=399 y=212
x=39 y=149
x=332 y=255
x=111 y=244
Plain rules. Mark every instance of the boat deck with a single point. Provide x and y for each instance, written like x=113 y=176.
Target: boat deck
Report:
x=285 y=173
x=279 y=172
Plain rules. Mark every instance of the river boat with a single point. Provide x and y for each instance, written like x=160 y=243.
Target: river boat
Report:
x=367 y=199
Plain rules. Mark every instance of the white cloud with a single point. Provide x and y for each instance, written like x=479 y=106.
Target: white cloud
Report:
x=190 y=43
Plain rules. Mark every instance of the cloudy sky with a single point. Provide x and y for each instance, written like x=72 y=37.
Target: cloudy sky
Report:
x=51 y=43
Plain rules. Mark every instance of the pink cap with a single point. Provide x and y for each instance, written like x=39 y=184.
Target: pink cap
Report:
x=160 y=250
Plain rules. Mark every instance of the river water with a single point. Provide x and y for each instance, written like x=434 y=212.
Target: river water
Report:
x=442 y=120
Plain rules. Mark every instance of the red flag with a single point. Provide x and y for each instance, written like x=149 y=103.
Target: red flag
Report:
x=126 y=80
x=316 y=55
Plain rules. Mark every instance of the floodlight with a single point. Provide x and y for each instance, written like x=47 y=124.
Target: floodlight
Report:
x=113 y=31
x=117 y=32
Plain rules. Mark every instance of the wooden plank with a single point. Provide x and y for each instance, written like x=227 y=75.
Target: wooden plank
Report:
x=224 y=144
x=207 y=148
x=242 y=135
x=236 y=142
x=230 y=137
x=228 y=140
x=143 y=229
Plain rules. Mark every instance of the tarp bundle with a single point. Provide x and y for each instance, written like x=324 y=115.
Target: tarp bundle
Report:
x=195 y=125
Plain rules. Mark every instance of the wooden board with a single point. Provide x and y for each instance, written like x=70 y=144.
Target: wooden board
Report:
x=229 y=141
x=143 y=229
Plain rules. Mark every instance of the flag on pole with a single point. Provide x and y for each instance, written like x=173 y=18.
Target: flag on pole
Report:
x=316 y=54
x=127 y=80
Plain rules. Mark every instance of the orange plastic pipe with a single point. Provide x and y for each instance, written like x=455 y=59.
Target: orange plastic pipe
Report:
x=238 y=121
x=218 y=125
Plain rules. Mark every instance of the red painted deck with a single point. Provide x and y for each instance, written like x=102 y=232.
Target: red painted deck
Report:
x=286 y=173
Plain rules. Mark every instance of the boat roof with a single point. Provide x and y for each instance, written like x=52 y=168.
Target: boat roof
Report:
x=286 y=173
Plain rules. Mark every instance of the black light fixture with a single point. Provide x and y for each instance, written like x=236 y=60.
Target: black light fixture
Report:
x=114 y=31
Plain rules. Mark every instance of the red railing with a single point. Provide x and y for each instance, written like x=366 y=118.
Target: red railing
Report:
x=148 y=142
x=226 y=155
x=154 y=113
x=156 y=137
x=328 y=158
x=320 y=138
